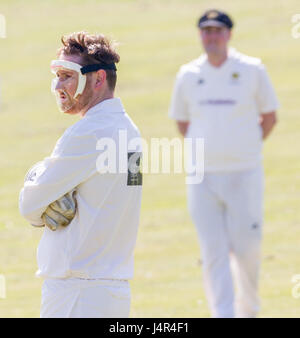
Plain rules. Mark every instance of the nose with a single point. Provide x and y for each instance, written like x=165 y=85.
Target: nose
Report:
x=58 y=85
x=55 y=85
x=213 y=35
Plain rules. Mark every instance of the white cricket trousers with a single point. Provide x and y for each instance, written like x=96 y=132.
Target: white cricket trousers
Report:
x=82 y=298
x=227 y=209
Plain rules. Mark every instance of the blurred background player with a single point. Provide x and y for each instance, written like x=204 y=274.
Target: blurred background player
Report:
x=227 y=99
x=86 y=252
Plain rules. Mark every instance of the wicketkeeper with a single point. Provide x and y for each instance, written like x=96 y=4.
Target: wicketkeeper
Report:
x=89 y=214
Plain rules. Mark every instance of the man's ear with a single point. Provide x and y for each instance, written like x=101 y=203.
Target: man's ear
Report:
x=100 y=78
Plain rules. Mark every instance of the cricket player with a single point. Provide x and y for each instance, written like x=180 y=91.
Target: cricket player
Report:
x=226 y=98
x=88 y=206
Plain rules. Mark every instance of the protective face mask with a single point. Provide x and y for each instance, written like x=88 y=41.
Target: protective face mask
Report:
x=68 y=65
x=69 y=102
x=57 y=65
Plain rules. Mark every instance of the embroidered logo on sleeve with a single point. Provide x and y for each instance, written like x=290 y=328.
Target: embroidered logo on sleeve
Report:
x=34 y=172
x=134 y=176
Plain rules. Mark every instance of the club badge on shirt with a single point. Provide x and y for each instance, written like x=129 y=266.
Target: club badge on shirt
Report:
x=235 y=78
x=134 y=176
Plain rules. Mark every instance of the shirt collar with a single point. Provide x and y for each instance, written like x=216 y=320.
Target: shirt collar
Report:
x=113 y=105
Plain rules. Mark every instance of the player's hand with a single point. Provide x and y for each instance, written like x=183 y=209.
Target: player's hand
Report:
x=60 y=212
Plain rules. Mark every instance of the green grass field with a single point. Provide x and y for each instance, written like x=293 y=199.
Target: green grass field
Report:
x=156 y=37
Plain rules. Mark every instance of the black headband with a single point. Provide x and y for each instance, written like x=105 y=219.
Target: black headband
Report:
x=97 y=66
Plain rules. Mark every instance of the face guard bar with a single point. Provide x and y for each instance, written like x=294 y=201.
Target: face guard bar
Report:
x=81 y=70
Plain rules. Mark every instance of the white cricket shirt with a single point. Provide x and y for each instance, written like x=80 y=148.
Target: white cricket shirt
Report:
x=223 y=105
x=100 y=240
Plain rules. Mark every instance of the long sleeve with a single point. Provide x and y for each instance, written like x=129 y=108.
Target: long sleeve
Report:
x=71 y=163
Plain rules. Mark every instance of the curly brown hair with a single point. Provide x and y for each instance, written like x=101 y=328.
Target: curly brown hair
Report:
x=92 y=49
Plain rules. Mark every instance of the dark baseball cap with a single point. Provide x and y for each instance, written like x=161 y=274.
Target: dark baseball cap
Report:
x=215 y=18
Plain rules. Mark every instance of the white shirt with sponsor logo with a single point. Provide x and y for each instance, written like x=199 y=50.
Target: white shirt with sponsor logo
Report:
x=223 y=105
x=100 y=240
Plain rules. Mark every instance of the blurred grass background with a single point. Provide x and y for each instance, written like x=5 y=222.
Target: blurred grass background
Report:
x=156 y=37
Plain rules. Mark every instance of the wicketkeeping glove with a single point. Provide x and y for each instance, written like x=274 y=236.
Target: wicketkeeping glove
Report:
x=60 y=212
